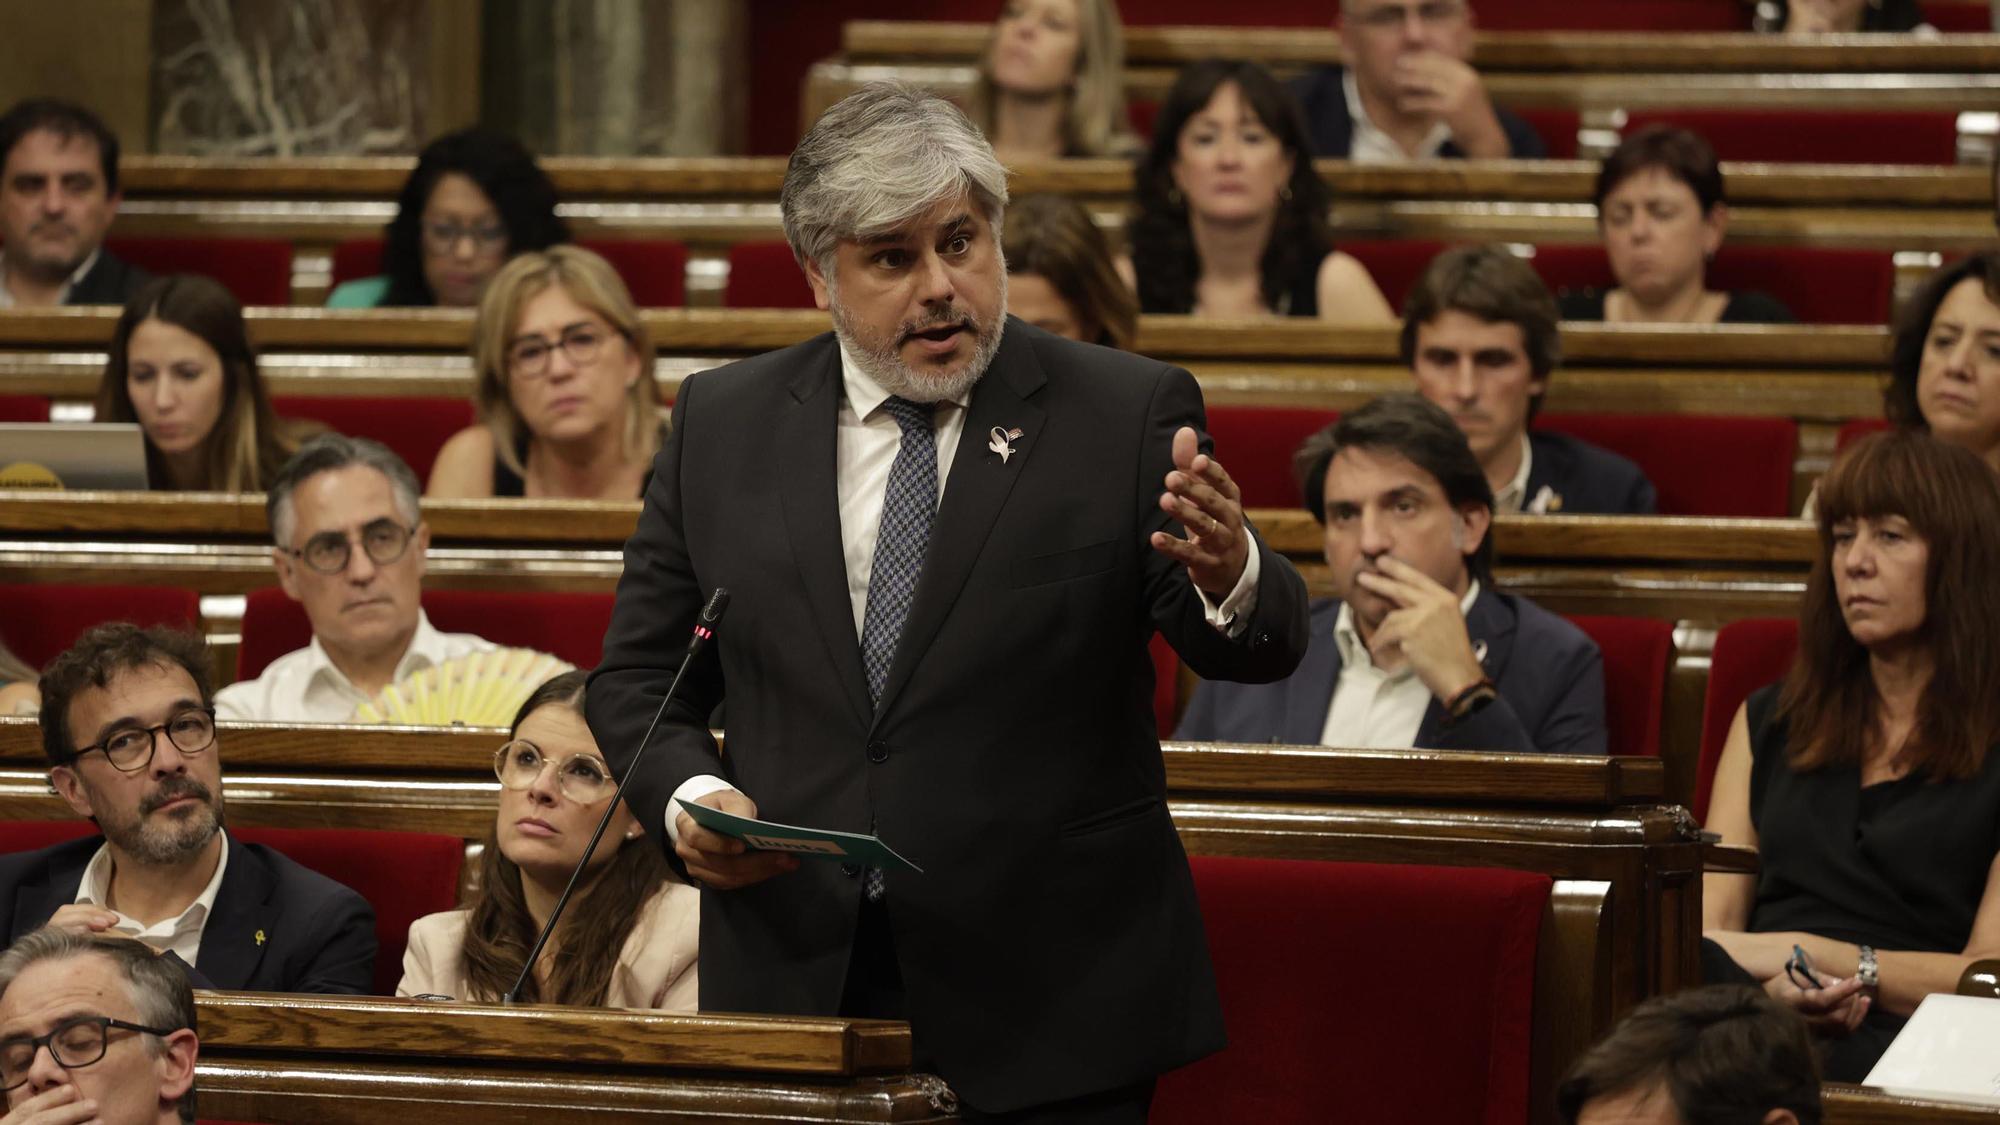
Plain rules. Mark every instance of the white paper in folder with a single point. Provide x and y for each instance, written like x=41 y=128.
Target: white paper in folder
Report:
x=1951 y=1047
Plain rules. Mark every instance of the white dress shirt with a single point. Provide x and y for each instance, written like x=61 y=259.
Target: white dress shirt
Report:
x=1372 y=709
x=182 y=934
x=304 y=686
x=62 y=298
x=1368 y=144
x=865 y=447
x=1511 y=498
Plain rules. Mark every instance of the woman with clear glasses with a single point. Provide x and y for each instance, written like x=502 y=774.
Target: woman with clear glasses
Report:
x=565 y=390
x=476 y=198
x=628 y=937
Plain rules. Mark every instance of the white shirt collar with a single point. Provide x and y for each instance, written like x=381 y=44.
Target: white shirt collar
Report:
x=95 y=889
x=62 y=298
x=1354 y=651
x=866 y=395
x=1513 y=496
x=427 y=647
x=1369 y=143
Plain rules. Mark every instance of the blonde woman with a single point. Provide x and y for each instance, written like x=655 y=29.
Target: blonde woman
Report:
x=1052 y=82
x=565 y=390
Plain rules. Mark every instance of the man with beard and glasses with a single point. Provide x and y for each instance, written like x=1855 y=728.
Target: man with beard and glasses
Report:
x=1416 y=649
x=128 y=726
x=949 y=537
x=58 y=194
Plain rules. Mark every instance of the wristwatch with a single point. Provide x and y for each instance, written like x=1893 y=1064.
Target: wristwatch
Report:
x=1470 y=701
x=1867 y=970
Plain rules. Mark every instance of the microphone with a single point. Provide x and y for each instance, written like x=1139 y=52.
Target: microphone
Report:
x=704 y=631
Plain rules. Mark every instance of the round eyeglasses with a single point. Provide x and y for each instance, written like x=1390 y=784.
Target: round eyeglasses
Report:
x=74 y=1043
x=443 y=238
x=384 y=541
x=528 y=357
x=130 y=749
x=583 y=778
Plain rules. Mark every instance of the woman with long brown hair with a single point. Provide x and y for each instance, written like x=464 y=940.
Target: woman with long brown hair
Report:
x=1060 y=273
x=628 y=937
x=1867 y=780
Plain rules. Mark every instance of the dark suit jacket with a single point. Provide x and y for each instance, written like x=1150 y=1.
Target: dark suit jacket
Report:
x=112 y=281
x=1052 y=947
x=1550 y=676
x=1585 y=480
x=1331 y=128
x=276 y=926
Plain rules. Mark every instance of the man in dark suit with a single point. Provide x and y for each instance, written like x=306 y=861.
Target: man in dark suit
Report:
x=128 y=727
x=58 y=195
x=1418 y=649
x=1481 y=337
x=1408 y=91
x=949 y=537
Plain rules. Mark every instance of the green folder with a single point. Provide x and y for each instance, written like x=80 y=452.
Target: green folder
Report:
x=811 y=843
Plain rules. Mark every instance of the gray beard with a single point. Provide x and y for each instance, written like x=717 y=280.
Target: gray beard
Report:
x=165 y=845
x=884 y=364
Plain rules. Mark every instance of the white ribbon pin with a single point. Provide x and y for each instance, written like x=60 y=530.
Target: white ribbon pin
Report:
x=1001 y=442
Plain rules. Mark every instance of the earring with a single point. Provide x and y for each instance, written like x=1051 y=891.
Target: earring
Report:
x=1174 y=197
x=635 y=834
x=1285 y=193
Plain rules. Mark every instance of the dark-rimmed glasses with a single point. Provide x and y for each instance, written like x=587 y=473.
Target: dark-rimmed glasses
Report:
x=528 y=357
x=582 y=778
x=191 y=730
x=384 y=540
x=443 y=238
x=74 y=1043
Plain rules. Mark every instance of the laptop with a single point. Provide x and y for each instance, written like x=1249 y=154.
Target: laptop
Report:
x=73 y=455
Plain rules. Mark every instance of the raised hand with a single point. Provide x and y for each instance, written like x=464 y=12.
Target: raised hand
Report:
x=1427 y=628
x=1202 y=498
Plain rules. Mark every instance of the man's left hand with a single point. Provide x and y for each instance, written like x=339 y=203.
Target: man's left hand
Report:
x=1433 y=84
x=1204 y=500
x=1427 y=625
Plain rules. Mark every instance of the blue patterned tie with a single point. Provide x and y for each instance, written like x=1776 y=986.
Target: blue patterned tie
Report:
x=908 y=507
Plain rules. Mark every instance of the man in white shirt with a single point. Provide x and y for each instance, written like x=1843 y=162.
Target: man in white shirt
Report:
x=1417 y=649
x=351 y=543
x=129 y=730
x=58 y=195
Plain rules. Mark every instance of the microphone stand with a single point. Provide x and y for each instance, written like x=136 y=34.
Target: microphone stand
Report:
x=704 y=629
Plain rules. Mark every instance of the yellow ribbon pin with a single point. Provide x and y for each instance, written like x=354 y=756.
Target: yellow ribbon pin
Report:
x=260 y=937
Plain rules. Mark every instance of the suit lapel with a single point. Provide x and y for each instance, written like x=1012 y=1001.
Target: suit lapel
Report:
x=978 y=487
x=36 y=903
x=1311 y=692
x=1490 y=624
x=243 y=924
x=807 y=430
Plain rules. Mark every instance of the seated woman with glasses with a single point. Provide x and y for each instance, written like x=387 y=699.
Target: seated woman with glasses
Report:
x=628 y=937
x=181 y=366
x=475 y=199
x=565 y=392
x=1867 y=780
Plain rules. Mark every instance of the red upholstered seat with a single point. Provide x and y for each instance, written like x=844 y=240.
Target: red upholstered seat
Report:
x=1395 y=993
x=24 y=408
x=403 y=875
x=655 y=270
x=1748 y=655
x=1700 y=464
x=567 y=625
x=357 y=258
x=257 y=270
x=1960 y=16
x=1817 y=136
x=1855 y=429
x=416 y=428
x=1819 y=285
x=1620 y=15
x=1256 y=443
x=1557 y=128
x=764 y=275
x=40 y=621
x=1637 y=651
x=1394 y=263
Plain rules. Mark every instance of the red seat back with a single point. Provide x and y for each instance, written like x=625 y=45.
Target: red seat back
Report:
x=24 y=408
x=764 y=275
x=40 y=621
x=655 y=270
x=1256 y=444
x=1816 y=136
x=1700 y=464
x=1394 y=263
x=258 y=271
x=567 y=625
x=1618 y=15
x=1748 y=655
x=1557 y=127
x=357 y=258
x=1637 y=651
x=415 y=428
x=1854 y=429
x=1819 y=285
x=1330 y=973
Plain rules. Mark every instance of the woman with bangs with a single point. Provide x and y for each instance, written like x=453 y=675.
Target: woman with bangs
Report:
x=1866 y=779
x=565 y=392
x=1052 y=82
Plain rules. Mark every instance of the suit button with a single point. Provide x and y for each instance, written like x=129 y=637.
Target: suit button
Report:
x=878 y=752
x=851 y=870
x=1260 y=640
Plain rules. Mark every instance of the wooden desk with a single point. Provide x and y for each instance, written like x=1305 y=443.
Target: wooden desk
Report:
x=1844 y=1104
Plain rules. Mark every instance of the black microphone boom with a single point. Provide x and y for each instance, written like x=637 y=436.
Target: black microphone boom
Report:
x=704 y=630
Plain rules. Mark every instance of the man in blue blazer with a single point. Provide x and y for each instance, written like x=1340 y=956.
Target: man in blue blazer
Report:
x=128 y=726
x=1418 y=650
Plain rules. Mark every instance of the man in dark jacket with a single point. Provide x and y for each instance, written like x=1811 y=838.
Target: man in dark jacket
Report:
x=58 y=195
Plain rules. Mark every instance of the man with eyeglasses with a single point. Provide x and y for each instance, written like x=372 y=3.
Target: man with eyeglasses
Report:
x=94 y=1028
x=350 y=546
x=1408 y=91
x=128 y=728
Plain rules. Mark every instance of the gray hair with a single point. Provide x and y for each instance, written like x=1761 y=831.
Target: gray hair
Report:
x=324 y=454
x=879 y=158
x=160 y=992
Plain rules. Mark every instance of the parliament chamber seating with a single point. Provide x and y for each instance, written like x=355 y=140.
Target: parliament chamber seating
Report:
x=654 y=269
x=568 y=625
x=39 y=621
x=1357 y=986
x=22 y=408
x=1748 y=654
x=1820 y=285
x=764 y=275
x=403 y=875
x=258 y=271
x=415 y=427
x=1816 y=136
x=1395 y=264
x=1700 y=465
x=1256 y=443
x=1856 y=429
x=1637 y=653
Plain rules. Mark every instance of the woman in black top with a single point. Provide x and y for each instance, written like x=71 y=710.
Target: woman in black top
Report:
x=1660 y=209
x=1231 y=219
x=1866 y=780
